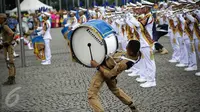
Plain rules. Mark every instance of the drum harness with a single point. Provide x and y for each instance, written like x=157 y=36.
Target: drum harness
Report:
x=122 y=57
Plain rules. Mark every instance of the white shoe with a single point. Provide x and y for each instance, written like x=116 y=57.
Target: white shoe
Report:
x=173 y=61
x=46 y=63
x=197 y=74
x=148 y=84
x=30 y=46
x=191 y=69
x=181 y=65
x=128 y=71
x=132 y=74
x=141 y=79
x=43 y=61
x=15 y=55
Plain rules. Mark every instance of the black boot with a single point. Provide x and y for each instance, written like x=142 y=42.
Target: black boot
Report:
x=133 y=108
x=10 y=81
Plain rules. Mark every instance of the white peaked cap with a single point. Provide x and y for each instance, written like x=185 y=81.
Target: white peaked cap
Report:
x=191 y=1
x=132 y=4
x=147 y=2
x=82 y=9
x=183 y=1
x=176 y=3
x=138 y=3
x=72 y=11
x=47 y=14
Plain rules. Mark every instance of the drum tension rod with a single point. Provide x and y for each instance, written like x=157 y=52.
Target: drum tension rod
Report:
x=89 y=45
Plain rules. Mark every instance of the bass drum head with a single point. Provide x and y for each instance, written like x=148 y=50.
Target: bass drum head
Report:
x=80 y=39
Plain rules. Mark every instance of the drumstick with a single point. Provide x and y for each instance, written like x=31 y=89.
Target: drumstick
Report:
x=89 y=45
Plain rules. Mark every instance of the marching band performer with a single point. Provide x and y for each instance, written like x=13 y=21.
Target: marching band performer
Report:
x=189 y=24
x=172 y=30
x=46 y=27
x=197 y=33
x=8 y=36
x=108 y=72
x=82 y=18
x=181 y=40
x=147 y=50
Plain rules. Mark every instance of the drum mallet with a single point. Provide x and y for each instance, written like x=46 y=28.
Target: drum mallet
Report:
x=89 y=45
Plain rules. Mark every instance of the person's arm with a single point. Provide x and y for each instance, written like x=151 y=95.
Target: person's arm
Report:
x=112 y=74
x=8 y=30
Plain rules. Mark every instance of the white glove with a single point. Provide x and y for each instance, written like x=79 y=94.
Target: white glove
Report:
x=39 y=28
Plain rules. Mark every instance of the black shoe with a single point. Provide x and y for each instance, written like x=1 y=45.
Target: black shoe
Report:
x=10 y=81
x=133 y=108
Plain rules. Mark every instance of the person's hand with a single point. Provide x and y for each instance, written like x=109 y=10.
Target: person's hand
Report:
x=94 y=64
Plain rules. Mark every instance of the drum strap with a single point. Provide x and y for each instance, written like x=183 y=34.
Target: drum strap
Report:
x=134 y=61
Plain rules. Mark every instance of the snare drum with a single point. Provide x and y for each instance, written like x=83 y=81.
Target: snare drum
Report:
x=93 y=40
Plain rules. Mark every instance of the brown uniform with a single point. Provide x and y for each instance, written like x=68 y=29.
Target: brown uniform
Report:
x=113 y=66
x=7 y=35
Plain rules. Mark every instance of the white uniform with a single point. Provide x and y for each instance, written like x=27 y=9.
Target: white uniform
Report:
x=183 y=49
x=192 y=61
x=174 y=43
x=47 y=38
x=146 y=66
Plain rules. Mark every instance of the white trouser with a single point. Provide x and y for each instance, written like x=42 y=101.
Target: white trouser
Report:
x=183 y=51
x=192 y=60
x=47 y=50
x=197 y=42
x=26 y=41
x=124 y=44
x=149 y=66
x=175 y=47
x=137 y=68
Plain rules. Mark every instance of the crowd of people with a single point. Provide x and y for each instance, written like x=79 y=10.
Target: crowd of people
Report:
x=144 y=23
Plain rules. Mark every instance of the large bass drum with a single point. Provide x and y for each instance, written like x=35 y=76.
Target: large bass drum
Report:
x=93 y=40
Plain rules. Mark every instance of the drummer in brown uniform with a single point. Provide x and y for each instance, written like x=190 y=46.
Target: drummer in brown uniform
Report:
x=8 y=35
x=108 y=71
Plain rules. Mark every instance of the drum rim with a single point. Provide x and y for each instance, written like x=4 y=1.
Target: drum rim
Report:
x=104 y=42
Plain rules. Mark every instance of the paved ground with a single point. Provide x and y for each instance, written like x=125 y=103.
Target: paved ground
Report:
x=62 y=86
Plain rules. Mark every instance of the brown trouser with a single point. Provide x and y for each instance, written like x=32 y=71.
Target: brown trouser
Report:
x=10 y=63
x=96 y=84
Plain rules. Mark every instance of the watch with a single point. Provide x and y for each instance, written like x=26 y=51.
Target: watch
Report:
x=98 y=67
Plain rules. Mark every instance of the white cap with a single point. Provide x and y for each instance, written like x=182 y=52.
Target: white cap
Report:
x=191 y=1
x=138 y=3
x=72 y=12
x=147 y=2
x=182 y=1
x=82 y=9
x=133 y=5
x=46 y=13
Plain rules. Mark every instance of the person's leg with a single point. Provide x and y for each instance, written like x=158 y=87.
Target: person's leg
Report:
x=150 y=68
x=11 y=67
x=142 y=66
x=183 y=53
x=120 y=94
x=175 y=46
x=197 y=46
x=47 y=52
x=192 y=61
x=95 y=86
